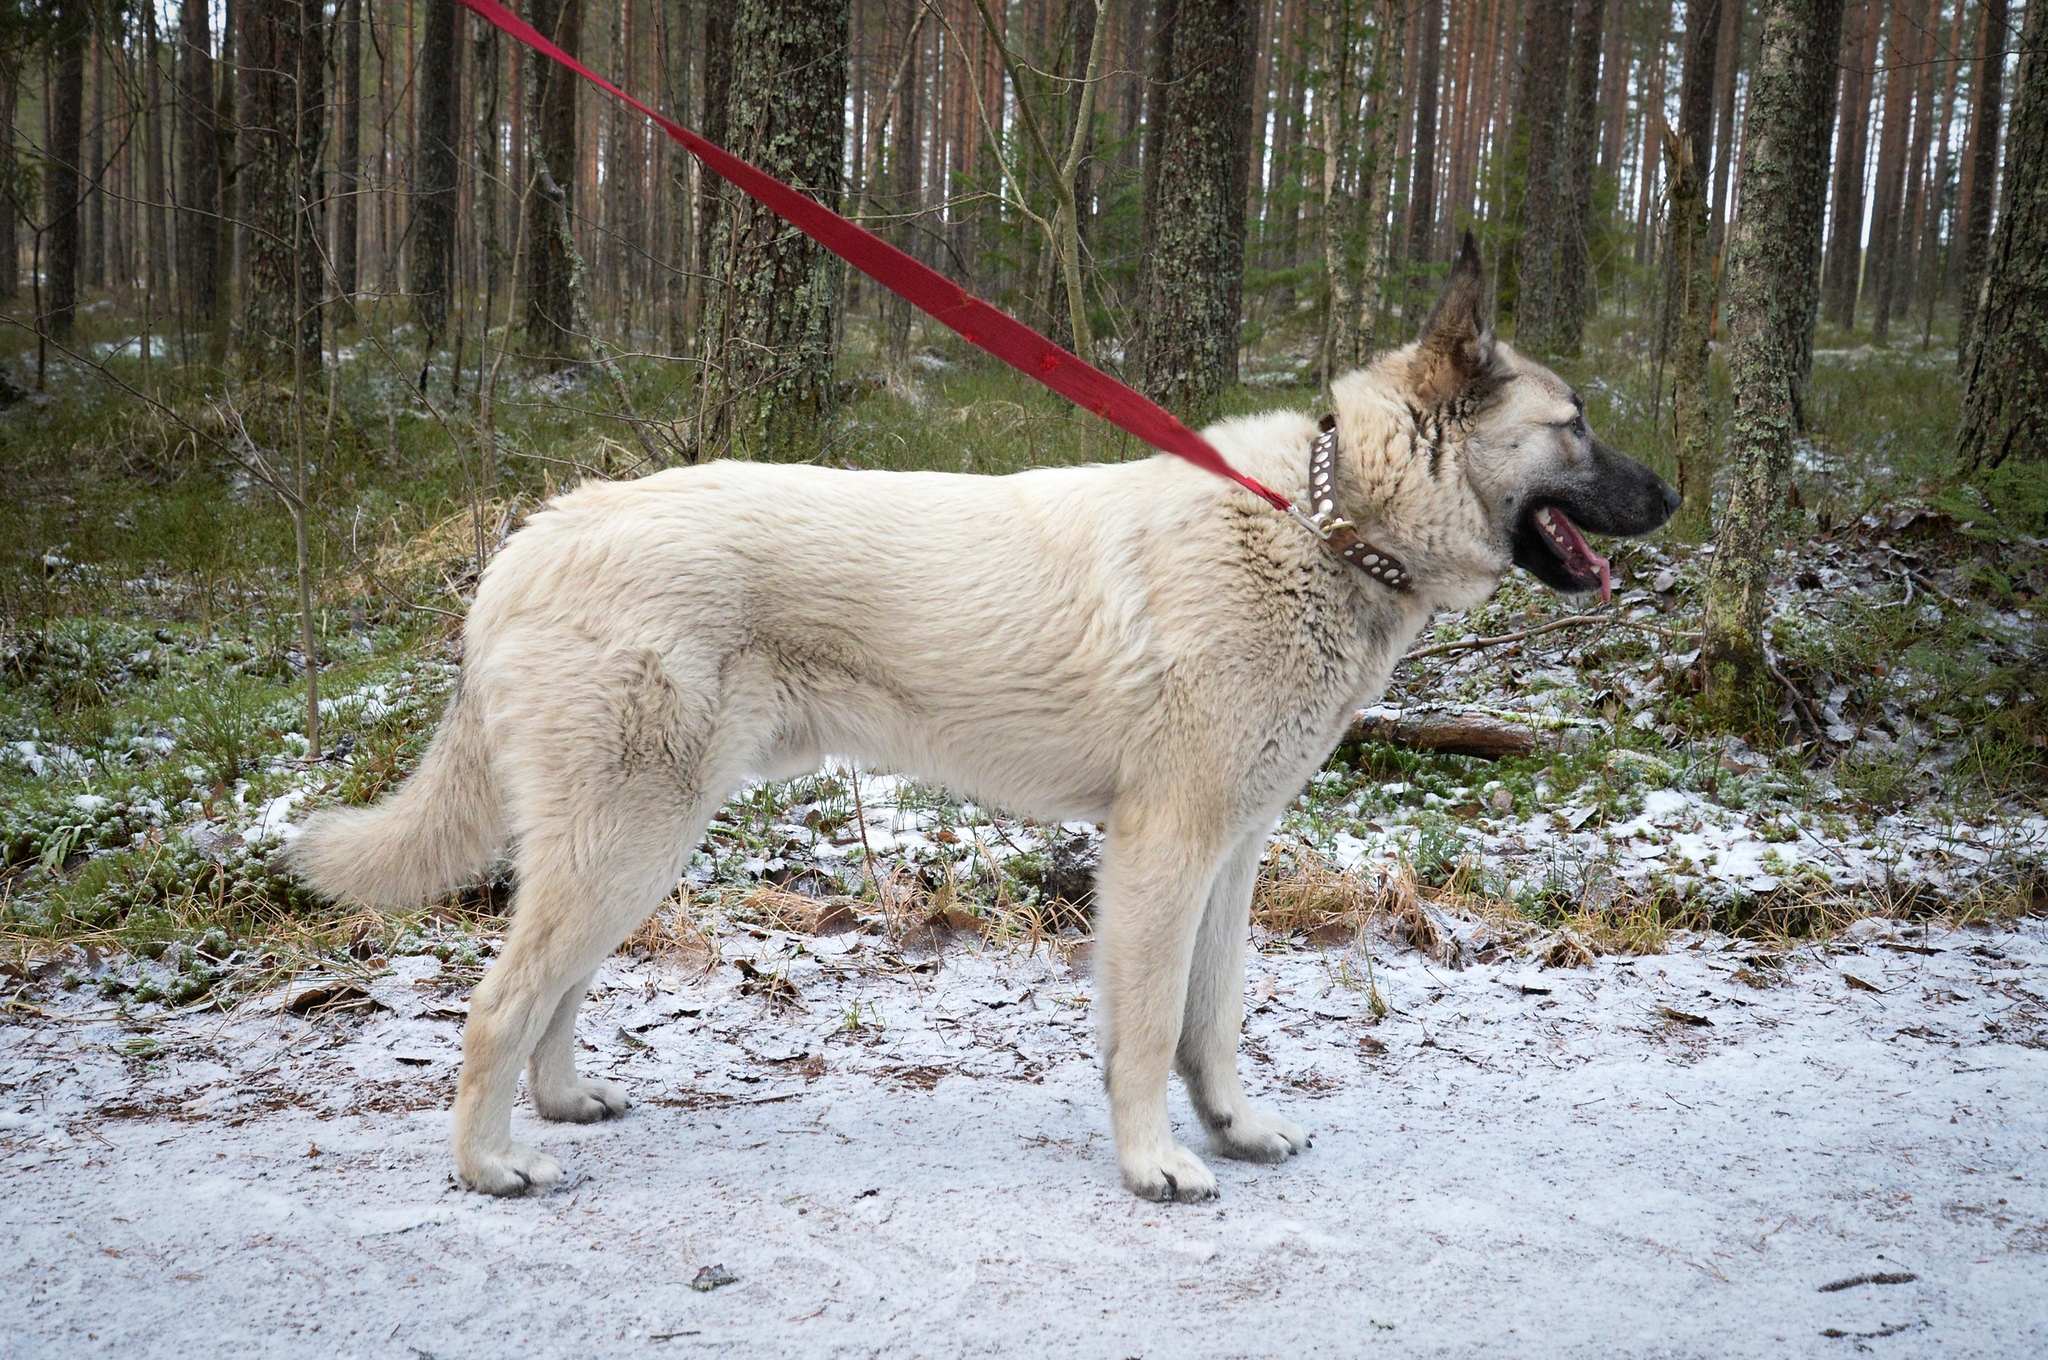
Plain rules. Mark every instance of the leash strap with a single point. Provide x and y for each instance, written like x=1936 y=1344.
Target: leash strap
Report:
x=952 y=306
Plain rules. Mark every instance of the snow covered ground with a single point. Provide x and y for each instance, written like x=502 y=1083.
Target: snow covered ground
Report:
x=1672 y=1156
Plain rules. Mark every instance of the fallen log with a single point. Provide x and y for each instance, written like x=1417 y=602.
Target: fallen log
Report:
x=1458 y=734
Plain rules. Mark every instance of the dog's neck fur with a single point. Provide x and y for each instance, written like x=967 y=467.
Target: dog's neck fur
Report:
x=1401 y=480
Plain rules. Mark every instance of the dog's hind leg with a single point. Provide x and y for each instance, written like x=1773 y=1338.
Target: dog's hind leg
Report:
x=558 y=1093
x=1151 y=889
x=1214 y=1020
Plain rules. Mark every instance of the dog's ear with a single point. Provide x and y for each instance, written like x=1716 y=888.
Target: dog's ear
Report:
x=1455 y=353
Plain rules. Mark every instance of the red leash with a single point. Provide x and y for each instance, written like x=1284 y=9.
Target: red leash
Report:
x=975 y=321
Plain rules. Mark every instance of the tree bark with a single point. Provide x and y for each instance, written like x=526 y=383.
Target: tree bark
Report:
x=769 y=361
x=1844 y=273
x=280 y=140
x=2005 y=388
x=551 y=260
x=1539 y=320
x=10 y=242
x=1771 y=260
x=431 y=252
x=1194 y=274
x=716 y=54
x=199 y=238
x=1576 y=294
x=1422 y=185
x=60 y=170
x=1729 y=68
x=1976 y=212
x=1902 y=42
x=348 y=152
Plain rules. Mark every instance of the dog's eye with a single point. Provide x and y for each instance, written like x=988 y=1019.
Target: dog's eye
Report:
x=1578 y=427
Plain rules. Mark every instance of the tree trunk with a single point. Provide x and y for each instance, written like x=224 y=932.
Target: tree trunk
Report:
x=60 y=170
x=10 y=242
x=93 y=270
x=280 y=135
x=1729 y=69
x=1983 y=172
x=1844 y=274
x=2005 y=388
x=348 y=154
x=1576 y=293
x=769 y=360
x=906 y=161
x=1900 y=48
x=1771 y=259
x=1808 y=217
x=431 y=277
x=716 y=50
x=1422 y=185
x=551 y=261
x=1539 y=320
x=199 y=239
x=1194 y=275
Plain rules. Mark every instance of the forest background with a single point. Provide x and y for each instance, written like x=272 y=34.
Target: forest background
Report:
x=308 y=301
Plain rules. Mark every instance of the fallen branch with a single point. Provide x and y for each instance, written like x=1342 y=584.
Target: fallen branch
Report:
x=1575 y=621
x=1459 y=734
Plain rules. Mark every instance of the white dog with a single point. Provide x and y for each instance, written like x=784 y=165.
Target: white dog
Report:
x=1143 y=645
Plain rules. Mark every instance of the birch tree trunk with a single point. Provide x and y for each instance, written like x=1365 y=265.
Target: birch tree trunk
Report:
x=1771 y=259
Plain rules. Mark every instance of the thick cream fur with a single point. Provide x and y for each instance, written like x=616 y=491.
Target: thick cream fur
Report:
x=1142 y=645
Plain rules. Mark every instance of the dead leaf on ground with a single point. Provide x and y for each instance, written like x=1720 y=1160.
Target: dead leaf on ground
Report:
x=323 y=998
x=774 y=986
x=838 y=919
x=1684 y=1017
x=1858 y=984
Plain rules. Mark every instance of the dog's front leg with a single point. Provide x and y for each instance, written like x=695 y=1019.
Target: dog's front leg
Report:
x=1151 y=889
x=1207 y=1056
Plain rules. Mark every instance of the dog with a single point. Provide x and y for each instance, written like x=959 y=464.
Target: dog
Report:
x=1142 y=645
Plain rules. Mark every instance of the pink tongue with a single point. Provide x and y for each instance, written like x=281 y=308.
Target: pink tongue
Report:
x=1584 y=551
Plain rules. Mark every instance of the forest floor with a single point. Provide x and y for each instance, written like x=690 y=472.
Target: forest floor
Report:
x=891 y=1150
x=170 y=995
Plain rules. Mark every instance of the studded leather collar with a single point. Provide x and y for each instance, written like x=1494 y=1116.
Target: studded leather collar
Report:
x=1339 y=535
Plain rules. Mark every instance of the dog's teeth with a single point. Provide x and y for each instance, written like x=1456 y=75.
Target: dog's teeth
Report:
x=1543 y=518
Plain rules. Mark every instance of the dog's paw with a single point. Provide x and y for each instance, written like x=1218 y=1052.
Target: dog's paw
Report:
x=582 y=1101
x=1259 y=1137
x=516 y=1171
x=1177 y=1176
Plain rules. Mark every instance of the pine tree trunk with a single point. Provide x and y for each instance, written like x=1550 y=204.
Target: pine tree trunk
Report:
x=716 y=49
x=280 y=134
x=1771 y=259
x=2005 y=388
x=348 y=154
x=1576 y=294
x=1539 y=315
x=1976 y=212
x=1900 y=47
x=1195 y=273
x=1422 y=186
x=60 y=170
x=10 y=241
x=94 y=268
x=1844 y=273
x=199 y=237
x=1729 y=68
x=551 y=260
x=1685 y=236
x=906 y=162
x=431 y=251
x=1808 y=216
x=769 y=357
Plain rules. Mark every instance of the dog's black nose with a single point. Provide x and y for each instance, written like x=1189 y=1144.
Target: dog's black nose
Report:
x=1672 y=500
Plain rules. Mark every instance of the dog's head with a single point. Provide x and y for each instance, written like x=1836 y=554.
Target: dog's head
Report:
x=1538 y=478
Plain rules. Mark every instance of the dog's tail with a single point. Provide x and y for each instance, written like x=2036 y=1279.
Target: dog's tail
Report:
x=441 y=827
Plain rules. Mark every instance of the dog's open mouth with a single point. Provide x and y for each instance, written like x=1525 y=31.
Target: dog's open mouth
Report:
x=1587 y=568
